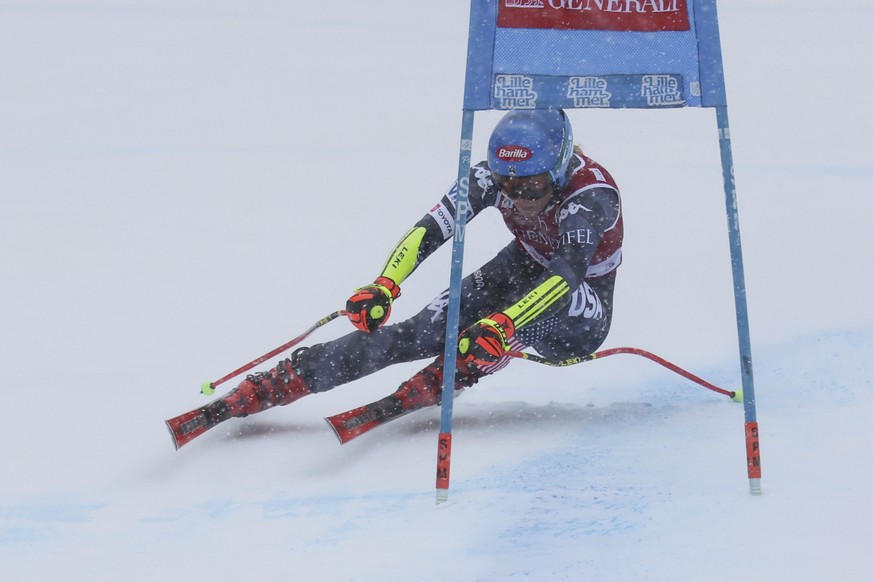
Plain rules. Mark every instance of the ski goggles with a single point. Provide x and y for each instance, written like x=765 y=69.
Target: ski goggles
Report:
x=526 y=187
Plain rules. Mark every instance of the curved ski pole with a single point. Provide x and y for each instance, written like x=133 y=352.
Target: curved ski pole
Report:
x=209 y=387
x=736 y=396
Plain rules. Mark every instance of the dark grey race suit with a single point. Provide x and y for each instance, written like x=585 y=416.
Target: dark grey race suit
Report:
x=577 y=236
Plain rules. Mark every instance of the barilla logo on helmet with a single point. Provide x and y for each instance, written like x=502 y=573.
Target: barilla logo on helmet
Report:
x=514 y=153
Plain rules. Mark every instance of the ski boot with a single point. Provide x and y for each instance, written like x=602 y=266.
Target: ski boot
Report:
x=258 y=392
x=422 y=390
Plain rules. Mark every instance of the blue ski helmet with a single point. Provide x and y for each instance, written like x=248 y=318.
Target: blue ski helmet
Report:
x=527 y=142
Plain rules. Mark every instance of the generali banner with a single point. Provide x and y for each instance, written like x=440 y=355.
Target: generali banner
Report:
x=535 y=54
x=616 y=15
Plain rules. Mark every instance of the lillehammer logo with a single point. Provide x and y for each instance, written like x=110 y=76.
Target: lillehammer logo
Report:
x=514 y=92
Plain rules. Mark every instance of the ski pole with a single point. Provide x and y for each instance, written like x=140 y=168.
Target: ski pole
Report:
x=209 y=387
x=736 y=396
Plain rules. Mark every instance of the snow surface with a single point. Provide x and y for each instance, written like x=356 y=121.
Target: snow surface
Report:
x=186 y=185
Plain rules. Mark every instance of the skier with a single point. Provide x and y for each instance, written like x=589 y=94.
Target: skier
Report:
x=549 y=289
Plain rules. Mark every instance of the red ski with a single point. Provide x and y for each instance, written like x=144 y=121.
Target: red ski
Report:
x=186 y=427
x=353 y=423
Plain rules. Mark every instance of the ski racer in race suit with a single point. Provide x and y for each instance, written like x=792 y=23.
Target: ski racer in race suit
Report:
x=549 y=289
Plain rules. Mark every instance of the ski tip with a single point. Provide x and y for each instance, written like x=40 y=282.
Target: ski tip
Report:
x=336 y=431
x=176 y=444
x=186 y=427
